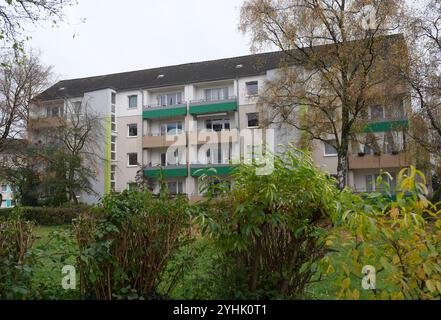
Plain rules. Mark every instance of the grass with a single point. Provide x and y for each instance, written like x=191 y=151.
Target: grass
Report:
x=55 y=248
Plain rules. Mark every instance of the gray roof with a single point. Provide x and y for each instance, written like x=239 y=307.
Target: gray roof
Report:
x=255 y=64
x=252 y=65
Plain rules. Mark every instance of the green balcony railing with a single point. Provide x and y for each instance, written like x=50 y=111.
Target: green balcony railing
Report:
x=168 y=171
x=209 y=106
x=197 y=170
x=158 y=112
x=387 y=125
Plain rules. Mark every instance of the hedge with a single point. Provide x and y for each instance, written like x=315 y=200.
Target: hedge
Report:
x=47 y=216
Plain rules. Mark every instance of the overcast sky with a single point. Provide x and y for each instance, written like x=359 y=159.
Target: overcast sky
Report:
x=120 y=36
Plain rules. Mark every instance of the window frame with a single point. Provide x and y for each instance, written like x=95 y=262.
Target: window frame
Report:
x=128 y=159
x=223 y=93
x=253 y=83
x=257 y=119
x=128 y=130
x=129 y=99
x=325 y=154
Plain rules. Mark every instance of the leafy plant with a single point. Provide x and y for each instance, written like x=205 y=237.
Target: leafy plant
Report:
x=401 y=238
x=270 y=229
x=16 y=240
x=126 y=243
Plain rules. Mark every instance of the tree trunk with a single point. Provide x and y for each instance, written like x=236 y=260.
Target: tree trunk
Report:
x=342 y=169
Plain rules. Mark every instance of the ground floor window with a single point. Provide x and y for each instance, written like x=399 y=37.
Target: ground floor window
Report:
x=175 y=187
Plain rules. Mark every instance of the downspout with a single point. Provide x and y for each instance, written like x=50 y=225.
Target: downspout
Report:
x=142 y=131
x=238 y=115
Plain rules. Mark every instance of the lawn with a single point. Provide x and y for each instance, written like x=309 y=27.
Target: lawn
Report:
x=55 y=248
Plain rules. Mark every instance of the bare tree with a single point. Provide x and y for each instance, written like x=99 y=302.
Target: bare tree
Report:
x=21 y=79
x=423 y=73
x=344 y=52
x=16 y=14
x=77 y=141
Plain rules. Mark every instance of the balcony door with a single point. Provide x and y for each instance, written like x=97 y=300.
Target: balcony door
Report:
x=219 y=155
x=170 y=158
x=217 y=124
x=171 y=128
x=216 y=94
x=170 y=99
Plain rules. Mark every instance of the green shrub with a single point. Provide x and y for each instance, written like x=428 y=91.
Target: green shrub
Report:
x=16 y=239
x=126 y=243
x=269 y=230
x=47 y=216
x=400 y=239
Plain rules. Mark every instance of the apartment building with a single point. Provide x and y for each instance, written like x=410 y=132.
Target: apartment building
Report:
x=184 y=120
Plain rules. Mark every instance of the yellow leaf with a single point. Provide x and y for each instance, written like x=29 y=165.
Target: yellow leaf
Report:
x=384 y=295
x=438 y=286
x=396 y=259
x=431 y=285
x=346 y=283
x=394 y=212
x=397 y=296
x=329 y=243
x=330 y=269
x=356 y=294
x=421 y=274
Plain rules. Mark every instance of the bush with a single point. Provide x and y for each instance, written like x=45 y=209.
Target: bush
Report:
x=47 y=216
x=401 y=239
x=126 y=243
x=269 y=230
x=16 y=239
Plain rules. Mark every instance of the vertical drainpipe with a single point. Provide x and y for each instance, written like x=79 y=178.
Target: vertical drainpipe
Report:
x=142 y=131
x=238 y=114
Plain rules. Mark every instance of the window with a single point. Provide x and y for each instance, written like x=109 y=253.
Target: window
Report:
x=171 y=128
x=367 y=149
x=133 y=159
x=389 y=144
x=377 y=113
x=217 y=124
x=133 y=102
x=113 y=98
x=77 y=107
x=54 y=112
x=4 y=188
x=175 y=187
x=133 y=130
x=163 y=159
x=396 y=111
x=252 y=88
x=329 y=148
x=253 y=120
x=170 y=99
x=219 y=154
x=216 y=94
x=371 y=183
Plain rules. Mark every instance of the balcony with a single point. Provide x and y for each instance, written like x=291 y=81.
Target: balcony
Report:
x=161 y=112
x=153 y=171
x=159 y=141
x=197 y=170
x=386 y=125
x=46 y=123
x=204 y=136
x=210 y=106
x=367 y=161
